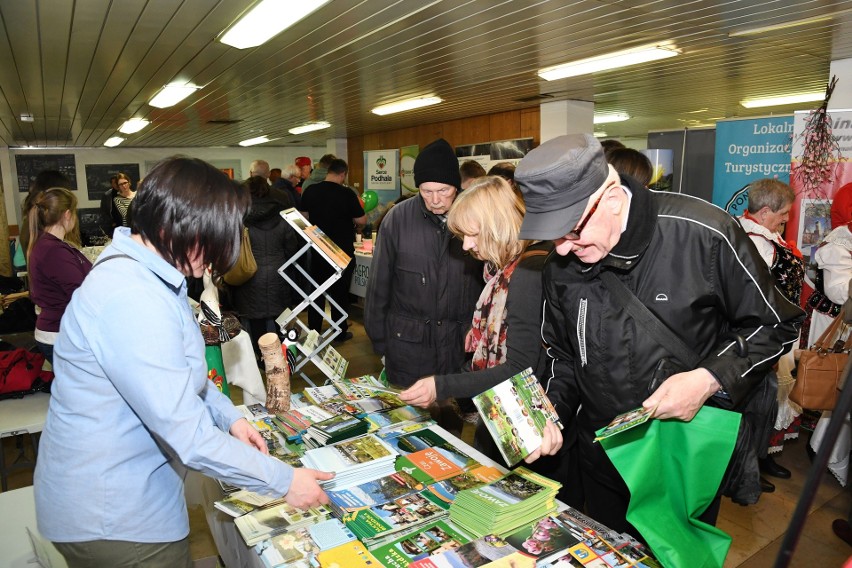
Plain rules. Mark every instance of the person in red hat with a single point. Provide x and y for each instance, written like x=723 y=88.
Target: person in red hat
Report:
x=304 y=164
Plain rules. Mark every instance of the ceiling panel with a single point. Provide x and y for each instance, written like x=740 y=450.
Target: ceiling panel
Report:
x=82 y=68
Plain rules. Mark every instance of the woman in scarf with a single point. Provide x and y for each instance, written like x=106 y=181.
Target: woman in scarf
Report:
x=505 y=337
x=834 y=262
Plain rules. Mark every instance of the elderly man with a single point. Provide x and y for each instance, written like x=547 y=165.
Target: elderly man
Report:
x=423 y=287
x=686 y=261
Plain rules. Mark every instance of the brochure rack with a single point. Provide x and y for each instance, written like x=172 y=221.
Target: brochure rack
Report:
x=313 y=346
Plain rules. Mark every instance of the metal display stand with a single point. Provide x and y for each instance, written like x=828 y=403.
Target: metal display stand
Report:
x=312 y=346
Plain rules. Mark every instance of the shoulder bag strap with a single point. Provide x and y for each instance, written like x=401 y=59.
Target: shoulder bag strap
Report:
x=639 y=312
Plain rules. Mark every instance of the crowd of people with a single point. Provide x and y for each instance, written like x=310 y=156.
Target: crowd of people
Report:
x=480 y=276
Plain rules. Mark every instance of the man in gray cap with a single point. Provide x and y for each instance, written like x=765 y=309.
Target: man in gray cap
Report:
x=423 y=287
x=686 y=261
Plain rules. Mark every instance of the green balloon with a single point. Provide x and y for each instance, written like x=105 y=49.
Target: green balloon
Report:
x=371 y=199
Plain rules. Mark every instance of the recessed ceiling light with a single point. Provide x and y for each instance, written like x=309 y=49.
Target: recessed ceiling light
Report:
x=309 y=127
x=27 y=117
x=407 y=104
x=266 y=20
x=609 y=61
x=607 y=117
x=172 y=94
x=255 y=141
x=783 y=100
x=114 y=141
x=133 y=125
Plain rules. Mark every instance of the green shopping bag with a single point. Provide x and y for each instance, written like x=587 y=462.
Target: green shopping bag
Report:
x=673 y=470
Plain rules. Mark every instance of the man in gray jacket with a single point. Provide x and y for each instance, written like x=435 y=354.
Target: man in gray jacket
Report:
x=423 y=287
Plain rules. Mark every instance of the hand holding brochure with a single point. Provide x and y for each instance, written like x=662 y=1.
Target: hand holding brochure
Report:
x=515 y=413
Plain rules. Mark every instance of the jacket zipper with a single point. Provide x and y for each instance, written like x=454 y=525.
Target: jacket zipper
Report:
x=581 y=330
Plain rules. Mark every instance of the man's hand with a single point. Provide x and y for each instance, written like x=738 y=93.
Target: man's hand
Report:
x=243 y=431
x=304 y=491
x=682 y=395
x=422 y=393
x=551 y=441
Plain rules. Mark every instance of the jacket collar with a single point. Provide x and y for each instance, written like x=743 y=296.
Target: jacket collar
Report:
x=170 y=275
x=641 y=224
x=442 y=223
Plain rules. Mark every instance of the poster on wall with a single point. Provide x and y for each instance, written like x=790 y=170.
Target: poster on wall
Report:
x=490 y=153
x=748 y=150
x=381 y=177
x=814 y=224
x=29 y=165
x=98 y=176
x=407 y=155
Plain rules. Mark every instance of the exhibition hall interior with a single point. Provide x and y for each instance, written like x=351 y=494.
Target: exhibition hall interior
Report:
x=713 y=96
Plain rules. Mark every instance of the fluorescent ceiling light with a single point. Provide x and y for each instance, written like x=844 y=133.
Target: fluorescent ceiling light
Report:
x=407 y=104
x=133 y=125
x=172 y=95
x=114 y=141
x=785 y=100
x=266 y=20
x=600 y=134
x=782 y=26
x=309 y=127
x=254 y=141
x=609 y=61
x=605 y=118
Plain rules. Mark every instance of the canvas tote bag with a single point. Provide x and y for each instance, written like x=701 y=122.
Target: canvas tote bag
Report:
x=245 y=267
x=820 y=367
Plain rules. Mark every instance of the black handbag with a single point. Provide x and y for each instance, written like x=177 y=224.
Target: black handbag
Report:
x=742 y=477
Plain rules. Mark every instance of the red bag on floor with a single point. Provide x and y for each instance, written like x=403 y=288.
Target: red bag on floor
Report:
x=21 y=374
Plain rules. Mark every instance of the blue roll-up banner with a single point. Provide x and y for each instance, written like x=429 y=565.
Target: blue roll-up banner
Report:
x=748 y=150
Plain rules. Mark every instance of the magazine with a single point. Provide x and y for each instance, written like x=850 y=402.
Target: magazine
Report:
x=515 y=413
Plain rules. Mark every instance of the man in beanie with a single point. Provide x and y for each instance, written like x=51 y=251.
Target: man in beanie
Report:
x=423 y=287
x=686 y=261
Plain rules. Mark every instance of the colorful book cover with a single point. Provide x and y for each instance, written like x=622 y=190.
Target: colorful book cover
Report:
x=349 y=453
x=476 y=477
x=401 y=514
x=350 y=555
x=376 y=492
x=543 y=539
x=515 y=413
x=432 y=539
x=490 y=551
x=427 y=438
x=436 y=462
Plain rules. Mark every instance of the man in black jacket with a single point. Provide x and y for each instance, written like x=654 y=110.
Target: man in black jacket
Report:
x=423 y=287
x=688 y=262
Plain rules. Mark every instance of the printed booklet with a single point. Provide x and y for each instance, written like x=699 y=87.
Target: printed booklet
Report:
x=515 y=413
x=625 y=421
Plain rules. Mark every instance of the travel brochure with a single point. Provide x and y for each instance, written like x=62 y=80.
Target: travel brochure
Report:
x=624 y=422
x=410 y=494
x=330 y=251
x=515 y=413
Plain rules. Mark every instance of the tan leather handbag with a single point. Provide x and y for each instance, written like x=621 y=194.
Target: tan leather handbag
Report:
x=820 y=368
x=246 y=266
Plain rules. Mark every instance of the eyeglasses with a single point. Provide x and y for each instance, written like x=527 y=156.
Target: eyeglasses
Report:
x=443 y=192
x=574 y=235
x=124 y=183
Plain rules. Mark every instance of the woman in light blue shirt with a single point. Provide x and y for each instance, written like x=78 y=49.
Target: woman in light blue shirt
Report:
x=131 y=404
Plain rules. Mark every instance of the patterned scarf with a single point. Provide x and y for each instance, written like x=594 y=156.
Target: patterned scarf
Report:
x=487 y=337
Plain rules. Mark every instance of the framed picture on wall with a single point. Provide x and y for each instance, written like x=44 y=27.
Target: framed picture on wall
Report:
x=814 y=223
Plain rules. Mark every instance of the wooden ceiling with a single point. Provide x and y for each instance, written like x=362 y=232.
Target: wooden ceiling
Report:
x=83 y=67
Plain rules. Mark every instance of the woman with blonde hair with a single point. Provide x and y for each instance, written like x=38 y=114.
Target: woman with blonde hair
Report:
x=505 y=335
x=55 y=267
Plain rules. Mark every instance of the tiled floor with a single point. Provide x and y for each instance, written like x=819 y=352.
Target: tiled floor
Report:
x=757 y=530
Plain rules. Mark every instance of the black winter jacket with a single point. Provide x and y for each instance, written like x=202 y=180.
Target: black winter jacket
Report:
x=421 y=294
x=266 y=294
x=695 y=268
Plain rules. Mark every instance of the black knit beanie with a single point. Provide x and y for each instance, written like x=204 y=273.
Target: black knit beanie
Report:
x=437 y=163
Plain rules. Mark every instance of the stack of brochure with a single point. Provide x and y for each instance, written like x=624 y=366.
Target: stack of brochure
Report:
x=265 y=523
x=373 y=493
x=242 y=501
x=434 y=538
x=383 y=523
x=489 y=550
x=335 y=429
x=504 y=506
x=352 y=461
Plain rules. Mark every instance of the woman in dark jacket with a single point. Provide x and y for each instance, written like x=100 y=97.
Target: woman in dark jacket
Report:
x=262 y=299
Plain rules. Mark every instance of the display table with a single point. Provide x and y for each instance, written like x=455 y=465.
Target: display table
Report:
x=21 y=545
x=21 y=416
x=230 y=544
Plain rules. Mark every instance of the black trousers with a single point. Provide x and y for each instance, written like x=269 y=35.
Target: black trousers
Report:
x=339 y=292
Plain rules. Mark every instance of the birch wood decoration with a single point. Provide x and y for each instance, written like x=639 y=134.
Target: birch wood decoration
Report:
x=277 y=374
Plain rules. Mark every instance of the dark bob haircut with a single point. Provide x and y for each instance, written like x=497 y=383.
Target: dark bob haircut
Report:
x=184 y=203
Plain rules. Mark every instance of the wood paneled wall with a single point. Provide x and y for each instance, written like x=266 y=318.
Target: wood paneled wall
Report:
x=524 y=123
